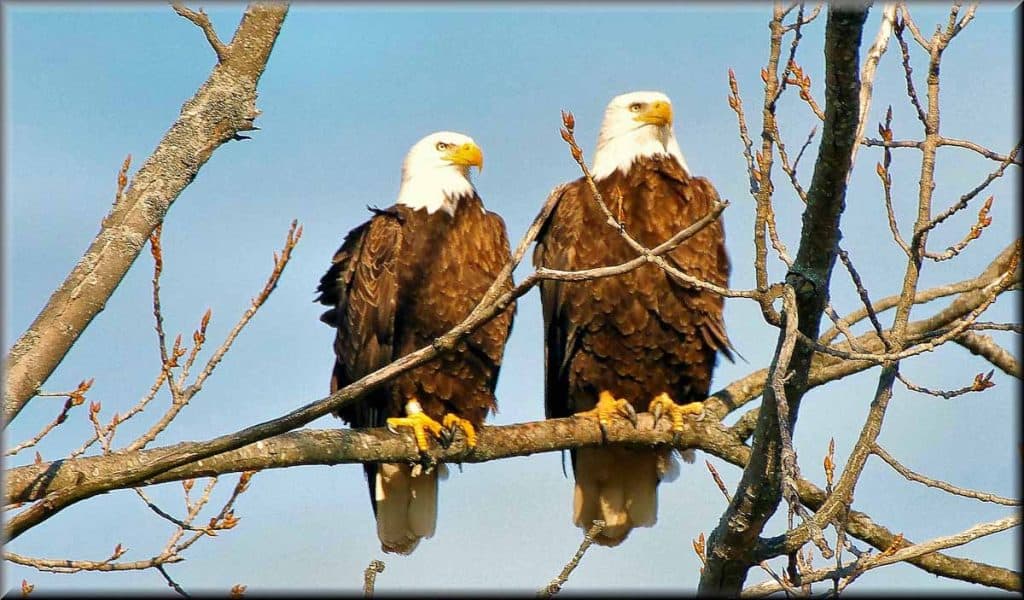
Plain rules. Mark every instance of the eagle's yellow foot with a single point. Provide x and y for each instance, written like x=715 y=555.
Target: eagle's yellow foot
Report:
x=418 y=421
x=663 y=404
x=607 y=407
x=454 y=422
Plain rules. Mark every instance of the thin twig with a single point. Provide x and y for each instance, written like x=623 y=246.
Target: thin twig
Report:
x=942 y=485
x=873 y=561
x=375 y=568
x=966 y=198
x=280 y=262
x=203 y=22
x=171 y=583
x=718 y=481
x=908 y=71
x=556 y=584
x=74 y=398
x=981 y=382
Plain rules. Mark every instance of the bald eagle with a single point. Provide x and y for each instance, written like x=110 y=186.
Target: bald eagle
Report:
x=640 y=340
x=399 y=281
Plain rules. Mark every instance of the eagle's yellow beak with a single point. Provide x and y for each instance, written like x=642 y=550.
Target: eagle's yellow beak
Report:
x=658 y=113
x=466 y=155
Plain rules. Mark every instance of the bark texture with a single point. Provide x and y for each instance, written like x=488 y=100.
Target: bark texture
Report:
x=223 y=107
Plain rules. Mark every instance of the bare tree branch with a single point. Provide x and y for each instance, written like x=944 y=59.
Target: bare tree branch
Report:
x=224 y=106
x=987 y=348
x=375 y=568
x=758 y=494
x=942 y=485
x=203 y=22
x=868 y=562
x=556 y=584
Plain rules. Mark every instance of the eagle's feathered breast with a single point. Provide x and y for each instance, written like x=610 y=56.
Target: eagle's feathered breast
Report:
x=640 y=333
x=401 y=280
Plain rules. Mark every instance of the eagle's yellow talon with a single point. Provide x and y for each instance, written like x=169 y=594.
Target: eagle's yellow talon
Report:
x=607 y=407
x=451 y=421
x=663 y=404
x=418 y=421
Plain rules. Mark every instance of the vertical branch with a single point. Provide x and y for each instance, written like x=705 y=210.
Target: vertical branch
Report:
x=729 y=555
x=867 y=74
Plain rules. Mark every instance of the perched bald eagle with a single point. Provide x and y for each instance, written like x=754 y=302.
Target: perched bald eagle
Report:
x=398 y=282
x=640 y=340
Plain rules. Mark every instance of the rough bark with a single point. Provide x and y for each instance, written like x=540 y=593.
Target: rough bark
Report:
x=223 y=107
x=729 y=553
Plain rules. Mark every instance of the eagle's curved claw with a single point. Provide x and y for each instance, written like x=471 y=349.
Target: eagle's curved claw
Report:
x=454 y=422
x=607 y=407
x=418 y=421
x=446 y=438
x=663 y=404
x=657 y=411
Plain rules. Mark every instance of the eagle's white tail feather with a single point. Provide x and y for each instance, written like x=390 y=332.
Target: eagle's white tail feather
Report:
x=620 y=487
x=406 y=499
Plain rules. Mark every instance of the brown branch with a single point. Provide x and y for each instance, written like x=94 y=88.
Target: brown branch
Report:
x=987 y=348
x=982 y=381
x=908 y=71
x=171 y=583
x=826 y=368
x=942 y=485
x=966 y=198
x=203 y=22
x=907 y=553
x=333 y=447
x=375 y=568
x=758 y=493
x=495 y=300
x=865 y=299
x=736 y=103
x=220 y=109
x=182 y=399
x=156 y=250
x=329 y=447
x=74 y=398
x=556 y=584
x=62 y=565
x=883 y=173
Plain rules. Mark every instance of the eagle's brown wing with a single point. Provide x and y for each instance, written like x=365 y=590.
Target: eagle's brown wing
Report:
x=704 y=258
x=362 y=288
x=560 y=334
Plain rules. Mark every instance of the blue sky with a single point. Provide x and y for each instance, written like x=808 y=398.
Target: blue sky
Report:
x=348 y=89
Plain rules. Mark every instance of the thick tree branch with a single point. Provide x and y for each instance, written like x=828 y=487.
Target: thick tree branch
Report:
x=757 y=497
x=330 y=447
x=351 y=446
x=224 y=106
x=985 y=347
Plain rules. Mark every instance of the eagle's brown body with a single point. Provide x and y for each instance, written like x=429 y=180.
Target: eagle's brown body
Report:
x=398 y=282
x=635 y=335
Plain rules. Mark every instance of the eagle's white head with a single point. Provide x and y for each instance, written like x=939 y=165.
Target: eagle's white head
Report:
x=635 y=125
x=436 y=171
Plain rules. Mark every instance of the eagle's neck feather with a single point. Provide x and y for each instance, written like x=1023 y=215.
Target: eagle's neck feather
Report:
x=435 y=189
x=619 y=152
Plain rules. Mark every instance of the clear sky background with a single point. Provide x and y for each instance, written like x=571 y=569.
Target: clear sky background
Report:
x=347 y=91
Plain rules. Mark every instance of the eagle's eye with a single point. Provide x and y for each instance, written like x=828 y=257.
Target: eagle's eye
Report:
x=441 y=146
x=635 y=107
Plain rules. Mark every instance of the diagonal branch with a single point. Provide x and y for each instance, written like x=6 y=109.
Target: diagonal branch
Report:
x=203 y=22
x=223 y=106
x=908 y=553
